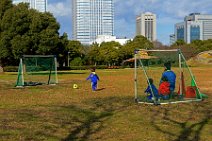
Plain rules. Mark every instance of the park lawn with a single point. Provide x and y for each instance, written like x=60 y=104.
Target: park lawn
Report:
x=62 y=113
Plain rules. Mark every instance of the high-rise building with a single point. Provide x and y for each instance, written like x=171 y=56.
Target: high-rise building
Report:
x=146 y=25
x=171 y=39
x=92 y=18
x=196 y=26
x=40 y=5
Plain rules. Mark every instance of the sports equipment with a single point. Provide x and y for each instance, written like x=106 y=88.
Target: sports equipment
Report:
x=152 y=64
x=37 y=70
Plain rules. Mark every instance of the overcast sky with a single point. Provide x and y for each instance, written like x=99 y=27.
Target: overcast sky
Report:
x=168 y=13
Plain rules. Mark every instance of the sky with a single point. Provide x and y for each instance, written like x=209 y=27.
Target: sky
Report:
x=168 y=12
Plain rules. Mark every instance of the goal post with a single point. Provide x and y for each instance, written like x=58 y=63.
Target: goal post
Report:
x=37 y=70
x=150 y=64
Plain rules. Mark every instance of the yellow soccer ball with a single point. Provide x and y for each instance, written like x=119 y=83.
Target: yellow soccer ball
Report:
x=75 y=86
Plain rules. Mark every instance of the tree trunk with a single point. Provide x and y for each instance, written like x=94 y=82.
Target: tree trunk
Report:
x=1 y=68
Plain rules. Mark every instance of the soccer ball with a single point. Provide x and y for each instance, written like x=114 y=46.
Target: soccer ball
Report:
x=75 y=86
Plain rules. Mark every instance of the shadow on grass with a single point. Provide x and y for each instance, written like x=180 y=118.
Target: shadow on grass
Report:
x=92 y=123
x=102 y=109
x=190 y=129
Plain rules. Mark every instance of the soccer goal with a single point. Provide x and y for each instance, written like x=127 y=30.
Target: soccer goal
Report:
x=150 y=64
x=37 y=70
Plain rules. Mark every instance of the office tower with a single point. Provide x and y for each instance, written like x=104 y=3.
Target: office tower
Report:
x=171 y=39
x=92 y=18
x=146 y=25
x=196 y=26
x=180 y=31
x=40 y=5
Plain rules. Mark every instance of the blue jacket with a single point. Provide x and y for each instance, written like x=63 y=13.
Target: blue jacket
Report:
x=154 y=89
x=170 y=75
x=93 y=77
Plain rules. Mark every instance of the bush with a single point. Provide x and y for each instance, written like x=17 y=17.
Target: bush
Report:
x=76 y=62
x=10 y=69
x=101 y=67
x=83 y=67
x=113 y=67
x=79 y=67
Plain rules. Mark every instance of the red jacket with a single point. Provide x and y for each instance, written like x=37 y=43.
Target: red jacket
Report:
x=164 y=88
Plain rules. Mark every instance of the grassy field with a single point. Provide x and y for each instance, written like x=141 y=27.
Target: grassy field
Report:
x=54 y=113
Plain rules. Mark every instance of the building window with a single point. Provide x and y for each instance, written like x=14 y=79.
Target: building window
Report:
x=195 y=33
x=180 y=34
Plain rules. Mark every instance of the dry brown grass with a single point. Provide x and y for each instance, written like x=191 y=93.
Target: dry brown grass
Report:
x=63 y=113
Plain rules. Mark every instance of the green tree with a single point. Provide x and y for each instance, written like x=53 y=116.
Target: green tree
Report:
x=27 y=31
x=109 y=52
x=60 y=49
x=179 y=43
x=4 y=6
x=201 y=46
x=4 y=52
x=93 y=54
x=74 y=49
x=139 y=42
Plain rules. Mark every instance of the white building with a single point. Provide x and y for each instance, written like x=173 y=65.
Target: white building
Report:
x=196 y=26
x=92 y=18
x=40 y=5
x=146 y=25
x=108 y=38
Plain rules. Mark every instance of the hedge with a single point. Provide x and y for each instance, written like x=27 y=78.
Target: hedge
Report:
x=15 y=68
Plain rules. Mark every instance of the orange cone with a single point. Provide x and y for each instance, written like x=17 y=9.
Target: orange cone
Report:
x=183 y=85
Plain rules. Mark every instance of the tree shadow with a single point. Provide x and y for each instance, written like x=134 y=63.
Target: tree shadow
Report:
x=92 y=124
x=189 y=131
x=102 y=109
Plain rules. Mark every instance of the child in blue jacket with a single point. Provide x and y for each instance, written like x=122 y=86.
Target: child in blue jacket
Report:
x=151 y=88
x=93 y=77
x=170 y=75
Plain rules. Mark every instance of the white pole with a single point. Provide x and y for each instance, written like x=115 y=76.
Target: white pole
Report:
x=135 y=76
x=55 y=62
x=22 y=72
x=180 y=66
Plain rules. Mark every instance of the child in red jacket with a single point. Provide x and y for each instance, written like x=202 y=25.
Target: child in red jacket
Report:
x=164 y=88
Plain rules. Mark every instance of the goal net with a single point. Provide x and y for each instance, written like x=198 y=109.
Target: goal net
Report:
x=149 y=69
x=37 y=70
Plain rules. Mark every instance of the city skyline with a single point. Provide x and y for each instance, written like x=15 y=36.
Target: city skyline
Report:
x=168 y=14
x=92 y=18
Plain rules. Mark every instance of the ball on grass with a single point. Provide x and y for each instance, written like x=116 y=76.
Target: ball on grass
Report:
x=75 y=86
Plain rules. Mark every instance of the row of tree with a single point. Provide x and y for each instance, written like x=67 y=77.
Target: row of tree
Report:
x=27 y=31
